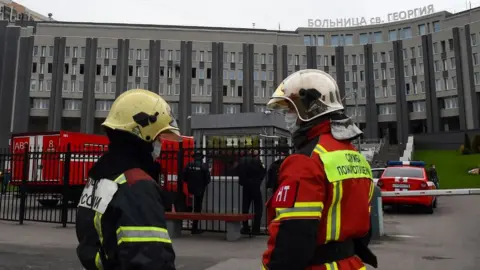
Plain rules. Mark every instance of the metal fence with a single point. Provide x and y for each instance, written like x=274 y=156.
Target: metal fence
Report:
x=44 y=185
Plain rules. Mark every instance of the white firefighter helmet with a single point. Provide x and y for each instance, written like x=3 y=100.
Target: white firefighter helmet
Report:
x=310 y=92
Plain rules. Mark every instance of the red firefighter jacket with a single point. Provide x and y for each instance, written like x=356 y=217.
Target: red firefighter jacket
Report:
x=323 y=199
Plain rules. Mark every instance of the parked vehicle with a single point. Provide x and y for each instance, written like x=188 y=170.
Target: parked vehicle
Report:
x=404 y=176
x=44 y=172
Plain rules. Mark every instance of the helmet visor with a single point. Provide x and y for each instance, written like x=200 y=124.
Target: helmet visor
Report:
x=170 y=135
x=171 y=132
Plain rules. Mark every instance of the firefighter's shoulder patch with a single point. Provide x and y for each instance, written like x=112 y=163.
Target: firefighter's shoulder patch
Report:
x=97 y=195
x=285 y=196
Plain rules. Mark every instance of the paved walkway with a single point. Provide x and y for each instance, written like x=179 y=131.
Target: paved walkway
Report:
x=448 y=239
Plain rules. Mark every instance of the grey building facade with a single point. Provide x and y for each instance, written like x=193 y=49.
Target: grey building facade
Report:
x=415 y=76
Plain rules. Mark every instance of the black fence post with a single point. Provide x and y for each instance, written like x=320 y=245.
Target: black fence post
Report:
x=180 y=203
x=66 y=185
x=23 y=186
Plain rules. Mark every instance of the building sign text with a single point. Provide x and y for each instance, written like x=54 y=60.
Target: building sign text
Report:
x=362 y=21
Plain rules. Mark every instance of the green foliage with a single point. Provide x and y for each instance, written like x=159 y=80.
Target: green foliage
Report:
x=452 y=167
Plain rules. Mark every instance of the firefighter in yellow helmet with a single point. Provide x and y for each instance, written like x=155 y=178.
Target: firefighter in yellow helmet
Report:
x=121 y=213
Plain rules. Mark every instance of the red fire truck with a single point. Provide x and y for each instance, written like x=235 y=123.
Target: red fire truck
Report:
x=44 y=172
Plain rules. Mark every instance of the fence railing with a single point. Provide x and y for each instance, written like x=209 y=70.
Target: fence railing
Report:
x=44 y=185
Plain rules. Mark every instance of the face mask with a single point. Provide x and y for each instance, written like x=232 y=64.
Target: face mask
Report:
x=157 y=149
x=291 y=121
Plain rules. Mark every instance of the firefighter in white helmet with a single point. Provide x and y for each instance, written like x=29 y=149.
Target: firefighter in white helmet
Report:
x=121 y=216
x=319 y=215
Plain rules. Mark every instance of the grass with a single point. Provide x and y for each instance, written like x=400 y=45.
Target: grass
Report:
x=452 y=167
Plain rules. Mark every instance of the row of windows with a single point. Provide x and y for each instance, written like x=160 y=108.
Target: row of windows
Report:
x=105 y=105
x=365 y=38
x=139 y=71
x=144 y=54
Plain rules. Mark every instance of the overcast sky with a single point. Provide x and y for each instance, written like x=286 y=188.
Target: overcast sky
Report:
x=290 y=14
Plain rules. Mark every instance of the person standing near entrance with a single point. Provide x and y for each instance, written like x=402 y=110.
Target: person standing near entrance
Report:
x=197 y=176
x=251 y=172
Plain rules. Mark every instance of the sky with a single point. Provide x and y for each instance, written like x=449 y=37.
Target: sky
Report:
x=241 y=13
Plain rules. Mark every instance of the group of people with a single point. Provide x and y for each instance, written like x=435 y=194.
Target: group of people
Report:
x=318 y=215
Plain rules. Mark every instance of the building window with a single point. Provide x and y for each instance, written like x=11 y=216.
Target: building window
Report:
x=364 y=38
x=473 y=39
x=103 y=105
x=450 y=103
x=40 y=103
x=320 y=40
x=421 y=29
x=392 y=35
x=72 y=104
x=436 y=26
x=348 y=40
x=335 y=40
x=418 y=106
x=307 y=40
x=475 y=59
x=406 y=33
x=387 y=109
x=377 y=37
x=435 y=48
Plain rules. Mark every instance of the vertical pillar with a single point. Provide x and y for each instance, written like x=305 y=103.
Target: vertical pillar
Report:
x=457 y=49
x=21 y=111
x=340 y=69
x=311 y=57
x=371 y=111
x=184 y=106
x=402 y=113
x=8 y=70
x=87 y=121
x=247 y=77
x=433 y=114
x=56 y=103
x=217 y=78
x=468 y=74
x=154 y=66
x=284 y=61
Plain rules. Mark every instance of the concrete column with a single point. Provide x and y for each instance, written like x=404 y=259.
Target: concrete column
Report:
x=56 y=102
x=433 y=113
x=402 y=113
x=87 y=121
x=284 y=58
x=276 y=65
x=122 y=66
x=185 y=104
x=248 y=80
x=340 y=69
x=217 y=78
x=311 y=57
x=21 y=110
x=154 y=66
x=466 y=77
x=10 y=36
x=371 y=111
x=457 y=49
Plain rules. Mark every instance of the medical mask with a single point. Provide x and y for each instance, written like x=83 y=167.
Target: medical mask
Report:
x=157 y=149
x=291 y=121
